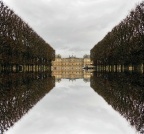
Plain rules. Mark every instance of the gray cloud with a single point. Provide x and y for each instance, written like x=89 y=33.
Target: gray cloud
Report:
x=72 y=24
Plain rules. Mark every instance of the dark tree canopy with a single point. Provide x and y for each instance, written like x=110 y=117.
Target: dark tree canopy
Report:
x=19 y=43
x=124 y=45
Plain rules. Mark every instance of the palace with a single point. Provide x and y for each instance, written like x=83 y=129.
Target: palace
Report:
x=70 y=68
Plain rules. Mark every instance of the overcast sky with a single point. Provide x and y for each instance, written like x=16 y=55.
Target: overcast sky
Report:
x=72 y=27
x=72 y=108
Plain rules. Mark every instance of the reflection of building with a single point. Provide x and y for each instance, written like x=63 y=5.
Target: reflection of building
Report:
x=86 y=75
x=69 y=68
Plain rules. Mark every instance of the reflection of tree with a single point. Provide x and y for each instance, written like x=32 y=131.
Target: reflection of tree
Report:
x=125 y=93
x=19 y=93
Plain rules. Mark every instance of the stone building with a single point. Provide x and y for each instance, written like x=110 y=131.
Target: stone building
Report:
x=86 y=60
x=69 y=68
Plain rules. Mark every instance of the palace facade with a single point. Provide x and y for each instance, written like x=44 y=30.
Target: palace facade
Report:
x=69 y=68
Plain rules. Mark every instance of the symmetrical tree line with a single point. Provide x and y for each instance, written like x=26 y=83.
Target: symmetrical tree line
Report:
x=124 y=45
x=124 y=92
x=19 y=43
x=19 y=92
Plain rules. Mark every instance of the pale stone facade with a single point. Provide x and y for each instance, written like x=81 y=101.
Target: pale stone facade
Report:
x=86 y=59
x=69 y=68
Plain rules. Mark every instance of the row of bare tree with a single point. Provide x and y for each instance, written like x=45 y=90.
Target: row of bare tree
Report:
x=19 y=43
x=124 y=45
